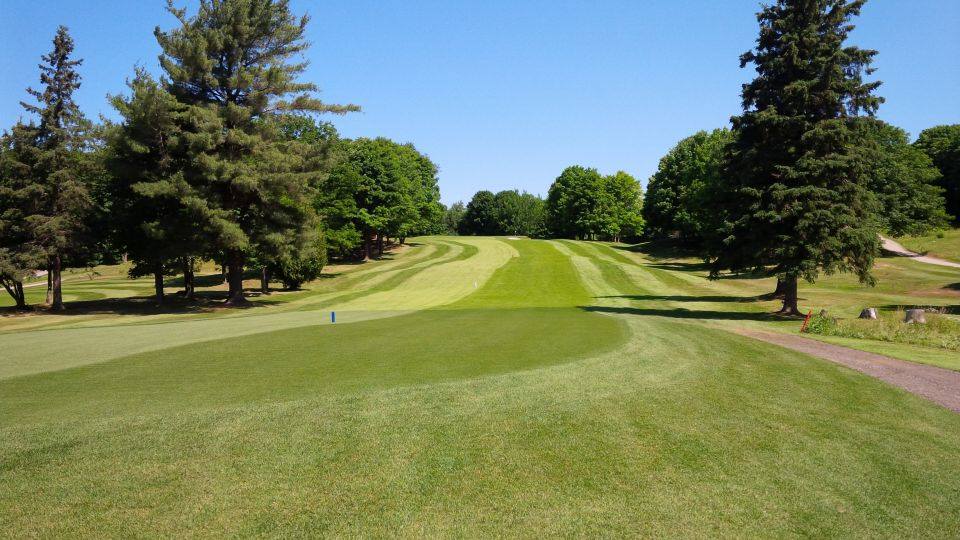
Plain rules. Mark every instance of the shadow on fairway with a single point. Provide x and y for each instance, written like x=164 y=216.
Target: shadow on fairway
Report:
x=206 y=301
x=661 y=249
x=682 y=266
x=203 y=280
x=685 y=298
x=681 y=313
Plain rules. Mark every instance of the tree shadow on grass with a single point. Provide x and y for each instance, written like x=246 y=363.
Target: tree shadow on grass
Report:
x=949 y=310
x=682 y=266
x=205 y=302
x=665 y=251
x=681 y=313
x=200 y=280
x=686 y=298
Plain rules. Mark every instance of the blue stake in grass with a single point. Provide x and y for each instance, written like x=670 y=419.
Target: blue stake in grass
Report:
x=333 y=316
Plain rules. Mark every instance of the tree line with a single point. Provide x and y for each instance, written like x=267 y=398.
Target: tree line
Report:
x=807 y=177
x=222 y=158
x=581 y=204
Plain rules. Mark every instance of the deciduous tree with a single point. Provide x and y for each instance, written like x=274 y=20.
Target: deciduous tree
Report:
x=680 y=197
x=582 y=204
x=453 y=216
x=480 y=217
x=942 y=144
x=905 y=182
x=625 y=197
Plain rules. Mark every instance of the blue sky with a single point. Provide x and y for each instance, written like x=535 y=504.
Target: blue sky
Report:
x=506 y=94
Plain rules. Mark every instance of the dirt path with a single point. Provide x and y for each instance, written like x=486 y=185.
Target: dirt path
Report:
x=894 y=247
x=942 y=386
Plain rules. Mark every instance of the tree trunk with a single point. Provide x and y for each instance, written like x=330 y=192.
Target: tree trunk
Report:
x=367 y=244
x=55 y=281
x=781 y=289
x=21 y=296
x=403 y=240
x=235 y=262
x=789 y=297
x=49 y=285
x=379 y=244
x=189 y=291
x=158 y=283
x=777 y=293
x=265 y=280
x=15 y=288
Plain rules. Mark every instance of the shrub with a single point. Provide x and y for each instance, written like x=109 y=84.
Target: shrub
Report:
x=303 y=266
x=941 y=330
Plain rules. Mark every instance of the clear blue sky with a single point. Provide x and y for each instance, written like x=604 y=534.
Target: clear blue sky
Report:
x=506 y=94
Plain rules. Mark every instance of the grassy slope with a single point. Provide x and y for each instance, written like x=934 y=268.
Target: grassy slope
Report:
x=945 y=246
x=680 y=289
x=425 y=276
x=512 y=411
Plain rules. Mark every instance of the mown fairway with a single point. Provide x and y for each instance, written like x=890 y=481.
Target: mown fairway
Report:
x=471 y=386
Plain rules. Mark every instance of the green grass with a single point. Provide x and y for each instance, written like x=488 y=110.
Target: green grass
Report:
x=679 y=288
x=579 y=390
x=943 y=244
x=939 y=331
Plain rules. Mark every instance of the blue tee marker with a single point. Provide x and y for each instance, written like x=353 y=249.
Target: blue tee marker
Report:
x=333 y=316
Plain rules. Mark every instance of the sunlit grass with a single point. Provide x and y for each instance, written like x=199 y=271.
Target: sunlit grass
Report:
x=559 y=389
x=944 y=244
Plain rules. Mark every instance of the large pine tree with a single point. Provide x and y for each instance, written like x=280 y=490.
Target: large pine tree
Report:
x=796 y=201
x=19 y=255
x=61 y=199
x=159 y=220
x=232 y=64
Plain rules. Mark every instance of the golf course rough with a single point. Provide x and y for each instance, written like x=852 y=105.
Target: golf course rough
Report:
x=484 y=387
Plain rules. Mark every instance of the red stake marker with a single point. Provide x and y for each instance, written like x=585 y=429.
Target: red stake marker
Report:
x=805 y=321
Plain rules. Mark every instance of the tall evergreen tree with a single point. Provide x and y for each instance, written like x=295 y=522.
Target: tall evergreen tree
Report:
x=19 y=255
x=232 y=64
x=61 y=199
x=159 y=220
x=797 y=201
